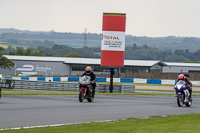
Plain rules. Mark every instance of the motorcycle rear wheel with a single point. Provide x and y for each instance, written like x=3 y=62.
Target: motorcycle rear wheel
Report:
x=179 y=100
x=188 y=104
x=91 y=99
x=81 y=95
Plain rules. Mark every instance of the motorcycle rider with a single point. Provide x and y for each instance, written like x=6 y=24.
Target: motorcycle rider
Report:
x=89 y=72
x=189 y=84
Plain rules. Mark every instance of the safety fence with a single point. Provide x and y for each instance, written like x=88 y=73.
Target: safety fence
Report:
x=118 y=80
x=61 y=86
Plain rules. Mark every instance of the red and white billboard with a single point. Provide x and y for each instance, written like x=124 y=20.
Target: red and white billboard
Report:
x=113 y=39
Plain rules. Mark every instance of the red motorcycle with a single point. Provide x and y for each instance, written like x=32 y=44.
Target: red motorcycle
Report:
x=86 y=90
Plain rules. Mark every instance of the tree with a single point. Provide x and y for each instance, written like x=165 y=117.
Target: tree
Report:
x=28 y=52
x=20 y=51
x=73 y=54
x=5 y=63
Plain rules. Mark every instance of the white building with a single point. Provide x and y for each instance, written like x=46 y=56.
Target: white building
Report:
x=181 y=67
x=63 y=66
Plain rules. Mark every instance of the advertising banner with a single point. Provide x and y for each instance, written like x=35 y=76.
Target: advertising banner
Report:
x=113 y=39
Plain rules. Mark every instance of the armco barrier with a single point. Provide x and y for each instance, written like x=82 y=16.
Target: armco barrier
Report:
x=118 y=80
x=116 y=88
x=62 y=86
x=42 y=85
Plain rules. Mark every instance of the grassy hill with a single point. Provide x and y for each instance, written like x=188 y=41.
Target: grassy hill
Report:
x=14 y=37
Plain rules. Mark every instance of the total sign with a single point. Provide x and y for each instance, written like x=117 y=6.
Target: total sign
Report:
x=113 y=39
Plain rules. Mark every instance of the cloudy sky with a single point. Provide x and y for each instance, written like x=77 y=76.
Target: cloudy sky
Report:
x=152 y=18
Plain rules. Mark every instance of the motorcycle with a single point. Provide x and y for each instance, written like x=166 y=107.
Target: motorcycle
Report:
x=183 y=95
x=86 y=90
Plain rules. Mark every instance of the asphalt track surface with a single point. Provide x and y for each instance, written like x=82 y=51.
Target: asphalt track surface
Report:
x=24 y=111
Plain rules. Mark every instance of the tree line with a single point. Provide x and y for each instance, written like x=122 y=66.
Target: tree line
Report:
x=34 y=39
x=133 y=52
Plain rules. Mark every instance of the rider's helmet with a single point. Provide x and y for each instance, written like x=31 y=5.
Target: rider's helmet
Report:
x=181 y=76
x=88 y=69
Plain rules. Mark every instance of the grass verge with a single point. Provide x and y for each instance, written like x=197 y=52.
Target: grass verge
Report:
x=38 y=92
x=158 y=124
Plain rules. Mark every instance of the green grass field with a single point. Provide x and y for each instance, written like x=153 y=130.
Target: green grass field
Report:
x=38 y=92
x=188 y=123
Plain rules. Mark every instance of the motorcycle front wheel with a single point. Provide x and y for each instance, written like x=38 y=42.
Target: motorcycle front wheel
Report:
x=81 y=95
x=179 y=100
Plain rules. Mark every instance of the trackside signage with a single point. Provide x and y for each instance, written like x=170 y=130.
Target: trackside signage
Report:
x=113 y=39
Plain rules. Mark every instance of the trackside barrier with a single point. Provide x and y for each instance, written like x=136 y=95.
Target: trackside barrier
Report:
x=126 y=80
x=116 y=88
x=61 y=86
x=117 y=80
x=73 y=79
x=42 y=85
x=101 y=79
x=168 y=82
x=128 y=88
x=153 y=81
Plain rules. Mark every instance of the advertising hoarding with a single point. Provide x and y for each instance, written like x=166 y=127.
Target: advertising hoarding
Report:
x=113 y=39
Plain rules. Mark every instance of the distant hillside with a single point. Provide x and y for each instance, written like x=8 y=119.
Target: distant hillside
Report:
x=14 y=37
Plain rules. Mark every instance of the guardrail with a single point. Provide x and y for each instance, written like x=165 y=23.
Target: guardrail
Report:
x=116 y=88
x=62 y=86
x=42 y=85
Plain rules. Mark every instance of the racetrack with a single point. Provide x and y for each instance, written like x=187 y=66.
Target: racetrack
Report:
x=23 y=111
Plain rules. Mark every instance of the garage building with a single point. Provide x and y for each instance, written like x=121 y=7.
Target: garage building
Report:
x=64 y=66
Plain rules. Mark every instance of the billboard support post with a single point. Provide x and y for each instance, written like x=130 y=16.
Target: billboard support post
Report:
x=111 y=80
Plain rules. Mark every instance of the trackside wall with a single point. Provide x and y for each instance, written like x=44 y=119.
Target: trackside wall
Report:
x=117 y=80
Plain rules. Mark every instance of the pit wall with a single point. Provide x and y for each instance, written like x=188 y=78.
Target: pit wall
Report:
x=117 y=80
